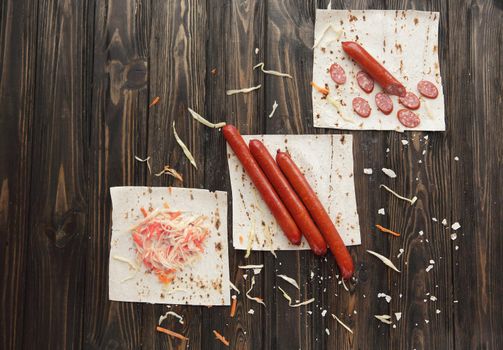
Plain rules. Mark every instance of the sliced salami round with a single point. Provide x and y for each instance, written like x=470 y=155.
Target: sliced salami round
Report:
x=410 y=100
x=337 y=73
x=427 y=89
x=362 y=107
x=384 y=103
x=408 y=118
x=365 y=81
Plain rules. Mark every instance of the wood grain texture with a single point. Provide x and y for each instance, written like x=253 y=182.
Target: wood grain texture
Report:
x=475 y=29
x=58 y=191
x=76 y=79
x=177 y=74
x=243 y=30
x=18 y=28
x=118 y=133
x=287 y=49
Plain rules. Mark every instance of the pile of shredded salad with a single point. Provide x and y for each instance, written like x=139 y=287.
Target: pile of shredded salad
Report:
x=167 y=241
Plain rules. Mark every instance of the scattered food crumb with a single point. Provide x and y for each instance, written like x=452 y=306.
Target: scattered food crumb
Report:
x=455 y=226
x=398 y=315
x=433 y=298
x=438 y=311
x=429 y=268
x=456 y=158
x=405 y=142
x=434 y=219
x=389 y=172
x=456 y=247
x=381 y=211
x=251 y=311
x=387 y=150
x=323 y=313
x=401 y=250
x=368 y=171
x=454 y=236
x=327 y=331
x=421 y=233
x=385 y=296
x=426 y=321
x=444 y=222
x=257 y=50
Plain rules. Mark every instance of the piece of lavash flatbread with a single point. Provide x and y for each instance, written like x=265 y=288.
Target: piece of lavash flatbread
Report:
x=206 y=282
x=327 y=163
x=406 y=42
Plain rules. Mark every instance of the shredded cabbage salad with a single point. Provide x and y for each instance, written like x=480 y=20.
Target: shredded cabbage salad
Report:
x=167 y=241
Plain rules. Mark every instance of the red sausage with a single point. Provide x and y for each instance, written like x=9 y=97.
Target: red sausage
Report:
x=408 y=118
x=362 y=107
x=318 y=213
x=365 y=81
x=374 y=68
x=289 y=197
x=410 y=100
x=337 y=73
x=384 y=103
x=270 y=197
x=427 y=89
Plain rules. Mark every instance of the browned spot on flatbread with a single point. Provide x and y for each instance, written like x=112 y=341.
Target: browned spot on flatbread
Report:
x=353 y=18
x=398 y=47
x=218 y=246
x=343 y=139
x=416 y=21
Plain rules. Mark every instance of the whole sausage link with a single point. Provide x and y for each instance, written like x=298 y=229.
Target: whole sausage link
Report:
x=270 y=197
x=318 y=213
x=375 y=69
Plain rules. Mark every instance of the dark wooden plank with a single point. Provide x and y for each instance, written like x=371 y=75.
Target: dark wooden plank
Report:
x=58 y=192
x=216 y=169
x=423 y=175
x=177 y=75
x=242 y=31
x=475 y=105
x=289 y=30
x=118 y=133
x=357 y=307
x=18 y=28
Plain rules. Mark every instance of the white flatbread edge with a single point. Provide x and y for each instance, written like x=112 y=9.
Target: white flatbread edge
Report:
x=327 y=162
x=401 y=30
x=208 y=283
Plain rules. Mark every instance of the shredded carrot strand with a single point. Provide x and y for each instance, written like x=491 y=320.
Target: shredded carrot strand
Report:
x=320 y=89
x=171 y=333
x=387 y=230
x=221 y=338
x=233 y=306
x=154 y=102
x=144 y=212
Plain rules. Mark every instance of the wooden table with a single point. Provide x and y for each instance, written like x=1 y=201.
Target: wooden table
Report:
x=76 y=78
